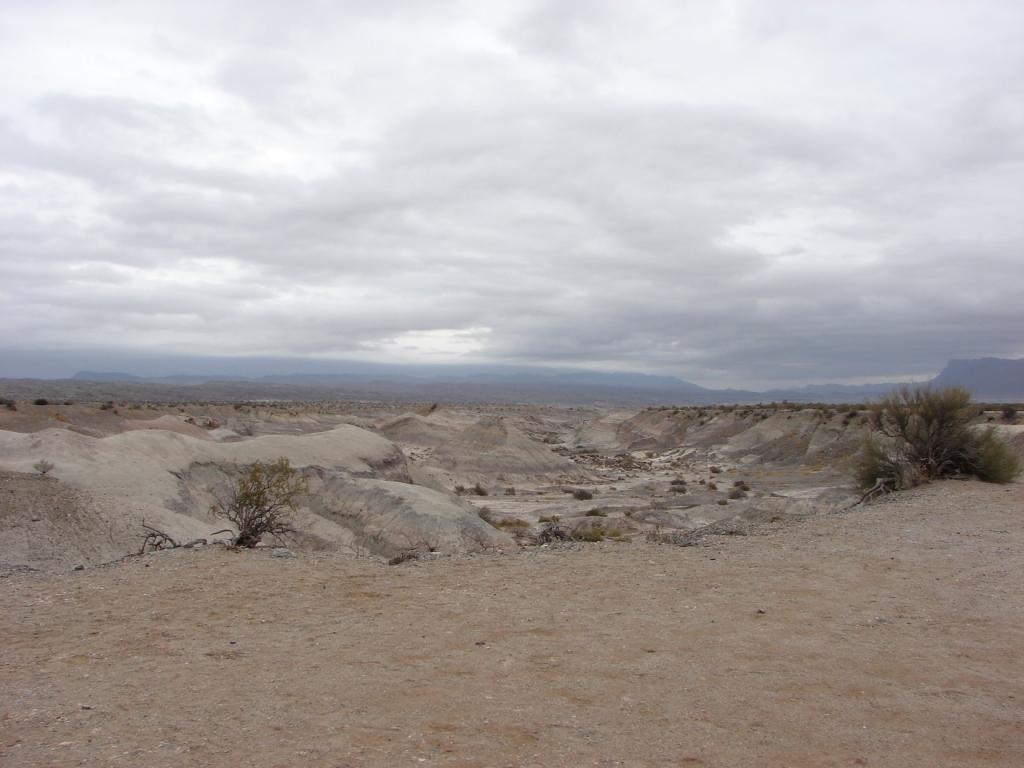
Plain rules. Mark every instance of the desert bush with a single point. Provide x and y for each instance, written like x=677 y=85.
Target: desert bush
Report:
x=40 y=401
x=737 y=493
x=549 y=519
x=1009 y=413
x=677 y=481
x=262 y=501
x=596 y=512
x=590 y=534
x=582 y=494
x=42 y=466
x=510 y=491
x=487 y=515
x=994 y=460
x=459 y=490
x=479 y=490
x=712 y=486
x=723 y=502
x=923 y=434
x=9 y=404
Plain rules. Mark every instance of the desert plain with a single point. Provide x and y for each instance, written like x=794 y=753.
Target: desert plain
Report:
x=500 y=585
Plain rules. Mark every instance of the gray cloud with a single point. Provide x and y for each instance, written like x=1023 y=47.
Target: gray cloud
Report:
x=731 y=194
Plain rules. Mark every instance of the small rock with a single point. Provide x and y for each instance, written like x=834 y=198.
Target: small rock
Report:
x=79 y=567
x=85 y=706
x=762 y=611
x=281 y=552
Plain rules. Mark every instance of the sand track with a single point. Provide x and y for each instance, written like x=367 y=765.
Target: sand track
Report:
x=890 y=636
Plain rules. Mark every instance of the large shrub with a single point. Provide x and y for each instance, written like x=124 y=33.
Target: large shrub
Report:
x=922 y=433
x=262 y=501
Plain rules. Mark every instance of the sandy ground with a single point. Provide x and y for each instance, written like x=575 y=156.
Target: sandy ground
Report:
x=891 y=635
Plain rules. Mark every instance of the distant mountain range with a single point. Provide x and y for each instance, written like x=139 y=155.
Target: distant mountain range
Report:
x=987 y=379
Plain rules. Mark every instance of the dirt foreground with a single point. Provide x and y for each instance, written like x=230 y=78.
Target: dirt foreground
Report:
x=892 y=635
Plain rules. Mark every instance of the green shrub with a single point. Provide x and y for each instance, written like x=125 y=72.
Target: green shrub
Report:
x=922 y=434
x=262 y=501
x=995 y=461
x=596 y=533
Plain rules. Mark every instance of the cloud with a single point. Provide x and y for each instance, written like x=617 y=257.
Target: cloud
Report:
x=729 y=193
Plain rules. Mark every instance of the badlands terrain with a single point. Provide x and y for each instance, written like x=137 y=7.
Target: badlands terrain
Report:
x=572 y=586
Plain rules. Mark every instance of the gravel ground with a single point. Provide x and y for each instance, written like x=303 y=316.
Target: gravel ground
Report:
x=890 y=635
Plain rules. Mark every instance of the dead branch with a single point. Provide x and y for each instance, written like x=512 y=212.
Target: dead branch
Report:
x=883 y=485
x=156 y=540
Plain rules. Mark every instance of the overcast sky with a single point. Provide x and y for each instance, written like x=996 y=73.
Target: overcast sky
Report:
x=739 y=193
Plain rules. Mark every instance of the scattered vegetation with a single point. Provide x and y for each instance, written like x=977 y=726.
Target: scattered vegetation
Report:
x=263 y=501
x=597 y=533
x=922 y=434
x=582 y=494
x=8 y=403
x=42 y=466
